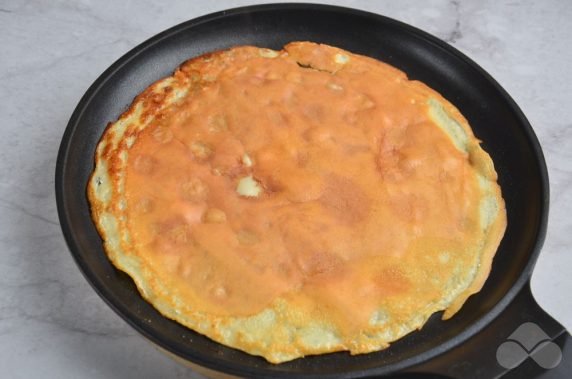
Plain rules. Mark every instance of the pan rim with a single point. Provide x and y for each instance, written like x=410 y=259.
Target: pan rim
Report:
x=235 y=368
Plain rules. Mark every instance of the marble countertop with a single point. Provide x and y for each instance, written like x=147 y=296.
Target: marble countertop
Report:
x=52 y=324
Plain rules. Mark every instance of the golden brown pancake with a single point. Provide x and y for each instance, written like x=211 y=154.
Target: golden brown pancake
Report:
x=297 y=202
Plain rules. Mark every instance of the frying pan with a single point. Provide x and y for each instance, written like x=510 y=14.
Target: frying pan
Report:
x=464 y=346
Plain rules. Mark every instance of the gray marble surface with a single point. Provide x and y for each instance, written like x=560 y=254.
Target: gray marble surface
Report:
x=52 y=324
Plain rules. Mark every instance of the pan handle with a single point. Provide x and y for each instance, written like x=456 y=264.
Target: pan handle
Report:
x=522 y=342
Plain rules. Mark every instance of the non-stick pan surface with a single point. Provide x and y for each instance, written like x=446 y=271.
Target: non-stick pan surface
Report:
x=495 y=118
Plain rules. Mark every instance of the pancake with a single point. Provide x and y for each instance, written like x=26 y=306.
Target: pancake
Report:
x=296 y=202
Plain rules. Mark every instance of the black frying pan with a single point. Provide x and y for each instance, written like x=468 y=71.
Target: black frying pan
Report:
x=464 y=346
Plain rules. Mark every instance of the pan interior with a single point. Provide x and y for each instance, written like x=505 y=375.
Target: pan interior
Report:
x=495 y=119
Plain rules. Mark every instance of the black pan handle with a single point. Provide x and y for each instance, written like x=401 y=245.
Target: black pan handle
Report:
x=522 y=342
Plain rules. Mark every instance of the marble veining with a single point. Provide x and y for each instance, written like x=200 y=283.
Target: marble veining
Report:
x=52 y=324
